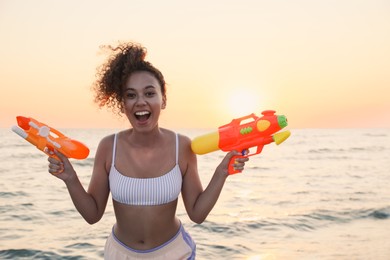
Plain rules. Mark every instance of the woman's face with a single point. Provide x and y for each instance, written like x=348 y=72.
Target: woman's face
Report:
x=143 y=100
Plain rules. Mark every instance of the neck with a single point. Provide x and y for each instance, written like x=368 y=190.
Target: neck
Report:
x=144 y=139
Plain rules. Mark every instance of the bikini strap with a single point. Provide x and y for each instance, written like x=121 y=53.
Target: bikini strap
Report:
x=177 y=148
x=114 y=150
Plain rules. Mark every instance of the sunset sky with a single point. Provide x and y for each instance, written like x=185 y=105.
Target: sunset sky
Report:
x=323 y=64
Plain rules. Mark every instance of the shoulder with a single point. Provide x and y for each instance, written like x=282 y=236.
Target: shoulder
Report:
x=187 y=158
x=185 y=141
x=171 y=136
x=104 y=151
x=107 y=142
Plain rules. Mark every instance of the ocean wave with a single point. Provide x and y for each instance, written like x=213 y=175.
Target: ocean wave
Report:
x=260 y=168
x=69 y=213
x=326 y=217
x=375 y=135
x=80 y=245
x=383 y=213
x=304 y=222
x=7 y=195
x=84 y=163
x=373 y=148
x=325 y=150
x=228 y=251
x=34 y=254
x=16 y=145
x=24 y=155
x=352 y=149
x=332 y=157
x=9 y=208
x=214 y=227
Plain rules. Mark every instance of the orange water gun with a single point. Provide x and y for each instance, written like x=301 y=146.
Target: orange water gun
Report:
x=243 y=133
x=48 y=139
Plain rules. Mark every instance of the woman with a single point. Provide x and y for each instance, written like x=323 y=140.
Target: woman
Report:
x=145 y=167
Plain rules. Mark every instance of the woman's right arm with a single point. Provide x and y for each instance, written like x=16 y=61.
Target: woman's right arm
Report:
x=90 y=204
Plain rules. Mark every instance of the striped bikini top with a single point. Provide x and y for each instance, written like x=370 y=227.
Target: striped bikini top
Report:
x=145 y=191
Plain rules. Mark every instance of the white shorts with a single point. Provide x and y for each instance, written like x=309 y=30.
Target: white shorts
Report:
x=181 y=246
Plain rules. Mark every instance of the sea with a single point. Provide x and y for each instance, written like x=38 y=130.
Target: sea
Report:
x=322 y=194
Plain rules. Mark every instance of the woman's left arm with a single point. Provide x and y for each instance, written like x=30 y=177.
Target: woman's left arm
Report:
x=199 y=202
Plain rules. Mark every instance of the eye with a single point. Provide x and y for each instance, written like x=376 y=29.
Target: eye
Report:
x=150 y=93
x=130 y=95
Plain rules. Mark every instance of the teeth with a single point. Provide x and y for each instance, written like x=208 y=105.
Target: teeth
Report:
x=142 y=113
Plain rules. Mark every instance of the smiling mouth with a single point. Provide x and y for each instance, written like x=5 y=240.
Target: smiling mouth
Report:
x=142 y=115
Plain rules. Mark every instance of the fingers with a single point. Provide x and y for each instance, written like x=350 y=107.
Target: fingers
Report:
x=239 y=163
x=56 y=166
x=235 y=160
x=231 y=154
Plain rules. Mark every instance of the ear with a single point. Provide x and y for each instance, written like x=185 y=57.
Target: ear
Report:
x=164 y=103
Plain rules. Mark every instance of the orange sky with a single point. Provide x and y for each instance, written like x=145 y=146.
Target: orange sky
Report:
x=320 y=63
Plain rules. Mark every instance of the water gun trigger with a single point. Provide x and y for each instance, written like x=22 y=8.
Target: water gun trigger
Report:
x=244 y=153
x=50 y=152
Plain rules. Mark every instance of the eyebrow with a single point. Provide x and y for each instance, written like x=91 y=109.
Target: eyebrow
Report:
x=145 y=88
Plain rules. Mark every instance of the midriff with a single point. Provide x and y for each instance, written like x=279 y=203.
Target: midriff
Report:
x=145 y=227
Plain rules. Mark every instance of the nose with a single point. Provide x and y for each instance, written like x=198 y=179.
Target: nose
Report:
x=141 y=101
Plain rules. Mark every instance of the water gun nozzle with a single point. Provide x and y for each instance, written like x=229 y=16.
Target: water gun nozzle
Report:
x=23 y=122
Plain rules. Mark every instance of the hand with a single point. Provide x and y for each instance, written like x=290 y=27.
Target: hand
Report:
x=61 y=167
x=238 y=164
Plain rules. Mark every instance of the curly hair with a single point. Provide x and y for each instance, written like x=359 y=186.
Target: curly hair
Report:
x=125 y=59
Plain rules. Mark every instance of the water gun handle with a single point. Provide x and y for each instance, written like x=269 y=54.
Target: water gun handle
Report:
x=244 y=153
x=231 y=169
